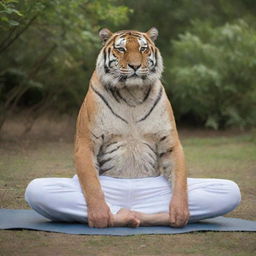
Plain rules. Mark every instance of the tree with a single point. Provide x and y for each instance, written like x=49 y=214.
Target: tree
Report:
x=52 y=43
x=213 y=74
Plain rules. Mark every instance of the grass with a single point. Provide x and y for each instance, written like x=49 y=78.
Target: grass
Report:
x=228 y=157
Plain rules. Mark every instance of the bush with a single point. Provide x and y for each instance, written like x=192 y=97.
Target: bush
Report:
x=212 y=73
x=54 y=43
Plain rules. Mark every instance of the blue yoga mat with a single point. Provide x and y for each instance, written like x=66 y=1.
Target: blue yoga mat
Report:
x=29 y=219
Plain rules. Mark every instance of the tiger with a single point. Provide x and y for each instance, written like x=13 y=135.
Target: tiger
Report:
x=126 y=127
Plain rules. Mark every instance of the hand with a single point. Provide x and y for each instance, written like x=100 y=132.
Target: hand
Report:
x=178 y=211
x=99 y=215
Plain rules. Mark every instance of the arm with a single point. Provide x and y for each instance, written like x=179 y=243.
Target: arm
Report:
x=178 y=208
x=99 y=214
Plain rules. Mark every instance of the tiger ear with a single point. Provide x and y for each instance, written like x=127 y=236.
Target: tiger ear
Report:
x=152 y=33
x=105 y=34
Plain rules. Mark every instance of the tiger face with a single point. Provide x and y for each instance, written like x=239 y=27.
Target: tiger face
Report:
x=129 y=58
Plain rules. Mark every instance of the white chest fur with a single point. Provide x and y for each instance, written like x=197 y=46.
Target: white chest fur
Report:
x=128 y=129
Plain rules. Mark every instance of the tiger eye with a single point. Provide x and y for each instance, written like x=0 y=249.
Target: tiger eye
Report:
x=120 y=49
x=142 y=49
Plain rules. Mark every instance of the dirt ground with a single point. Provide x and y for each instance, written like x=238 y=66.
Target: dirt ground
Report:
x=48 y=153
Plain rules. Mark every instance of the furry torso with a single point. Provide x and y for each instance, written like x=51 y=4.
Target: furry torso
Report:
x=131 y=131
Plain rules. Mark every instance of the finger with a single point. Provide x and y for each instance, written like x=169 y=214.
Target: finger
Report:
x=172 y=219
x=177 y=221
x=187 y=219
x=177 y=224
x=173 y=224
x=99 y=225
x=102 y=223
x=111 y=220
x=181 y=221
x=90 y=223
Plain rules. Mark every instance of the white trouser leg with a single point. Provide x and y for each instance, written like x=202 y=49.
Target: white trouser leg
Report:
x=207 y=197
x=62 y=198
x=212 y=197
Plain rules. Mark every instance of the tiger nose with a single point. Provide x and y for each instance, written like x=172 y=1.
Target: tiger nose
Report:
x=134 y=67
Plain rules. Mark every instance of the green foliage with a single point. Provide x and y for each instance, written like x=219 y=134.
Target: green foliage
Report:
x=212 y=74
x=208 y=66
x=9 y=14
x=55 y=43
x=14 y=79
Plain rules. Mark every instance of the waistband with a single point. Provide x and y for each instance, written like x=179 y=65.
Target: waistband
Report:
x=146 y=179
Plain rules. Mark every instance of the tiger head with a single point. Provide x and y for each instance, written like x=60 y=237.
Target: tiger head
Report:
x=129 y=58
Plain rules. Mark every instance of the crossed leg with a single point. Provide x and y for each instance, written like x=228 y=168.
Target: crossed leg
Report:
x=133 y=202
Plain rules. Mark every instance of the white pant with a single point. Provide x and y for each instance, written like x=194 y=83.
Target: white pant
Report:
x=61 y=199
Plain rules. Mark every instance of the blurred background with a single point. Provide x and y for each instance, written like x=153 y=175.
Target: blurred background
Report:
x=48 y=51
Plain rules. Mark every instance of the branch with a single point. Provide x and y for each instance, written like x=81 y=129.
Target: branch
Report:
x=17 y=35
x=8 y=37
x=14 y=99
x=41 y=61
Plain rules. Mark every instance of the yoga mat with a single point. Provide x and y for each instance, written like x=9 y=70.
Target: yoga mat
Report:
x=29 y=219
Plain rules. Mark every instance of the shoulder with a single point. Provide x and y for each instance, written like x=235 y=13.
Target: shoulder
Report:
x=88 y=109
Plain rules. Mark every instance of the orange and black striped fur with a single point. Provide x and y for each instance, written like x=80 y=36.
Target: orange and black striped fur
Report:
x=126 y=127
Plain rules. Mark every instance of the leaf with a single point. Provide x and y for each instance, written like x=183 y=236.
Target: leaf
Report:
x=4 y=19
x=212 y=123
x=13 y=23
x=18 y=12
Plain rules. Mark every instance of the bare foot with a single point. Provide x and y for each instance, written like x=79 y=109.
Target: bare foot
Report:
x=126 y=218
x=157 y=219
